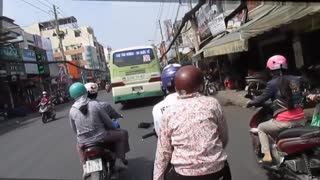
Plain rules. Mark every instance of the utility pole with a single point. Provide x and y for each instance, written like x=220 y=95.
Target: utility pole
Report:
x=162 y=41
x=60 y=40
x=161 y=30
x=176 y=42
x=58 y=33
x=194 y=29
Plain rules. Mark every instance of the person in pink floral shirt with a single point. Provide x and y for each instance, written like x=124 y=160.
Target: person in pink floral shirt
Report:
x=193 y=134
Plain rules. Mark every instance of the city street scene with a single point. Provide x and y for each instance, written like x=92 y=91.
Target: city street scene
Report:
x=159 y=90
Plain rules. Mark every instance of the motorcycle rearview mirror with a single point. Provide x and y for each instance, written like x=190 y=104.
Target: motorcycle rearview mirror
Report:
x=144 y=125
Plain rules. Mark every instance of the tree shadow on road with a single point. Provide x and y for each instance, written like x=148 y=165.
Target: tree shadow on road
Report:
x=139 y=169
x=15 y=125
x=140 y=103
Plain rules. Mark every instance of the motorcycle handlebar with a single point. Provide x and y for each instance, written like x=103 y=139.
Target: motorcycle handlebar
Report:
x=149 y=135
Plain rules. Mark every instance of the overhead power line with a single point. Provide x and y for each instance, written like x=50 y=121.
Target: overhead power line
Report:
x=47 y=12
x=188 y=16
x=45 y=4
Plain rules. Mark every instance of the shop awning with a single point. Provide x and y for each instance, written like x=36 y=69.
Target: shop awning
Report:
x=277 y=16
x=270 y=16
x=229 y=43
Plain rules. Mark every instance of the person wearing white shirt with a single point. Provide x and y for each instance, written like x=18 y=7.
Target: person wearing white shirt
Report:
x=167 y=79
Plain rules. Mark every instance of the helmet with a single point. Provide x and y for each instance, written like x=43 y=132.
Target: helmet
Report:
x=188 y=80
x=77 y=90
x=277 y=62
x=44 y=93
x=168 y=75
x=91 y=87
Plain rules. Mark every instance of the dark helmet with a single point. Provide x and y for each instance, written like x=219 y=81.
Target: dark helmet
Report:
x=189 y=79
x=168 y=74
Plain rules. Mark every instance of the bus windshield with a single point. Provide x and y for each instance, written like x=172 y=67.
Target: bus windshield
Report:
x=133 y=57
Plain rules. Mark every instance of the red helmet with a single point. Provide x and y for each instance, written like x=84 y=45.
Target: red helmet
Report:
x=188 y=80
x=277 y=62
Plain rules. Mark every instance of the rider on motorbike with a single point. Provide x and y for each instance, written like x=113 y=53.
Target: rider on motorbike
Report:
x=46 y=99
x=167 y=78
x=92 y=89
x=193 y=133
x=91 y=123
x=287 y=103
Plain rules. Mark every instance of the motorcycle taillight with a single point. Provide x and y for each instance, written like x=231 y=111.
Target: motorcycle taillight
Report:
x=91 y=154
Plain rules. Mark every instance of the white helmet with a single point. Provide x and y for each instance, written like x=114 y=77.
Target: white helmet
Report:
x=44 y=93
x=92 y=88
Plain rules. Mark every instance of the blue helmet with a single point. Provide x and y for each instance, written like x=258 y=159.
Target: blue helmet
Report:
x=168 y=75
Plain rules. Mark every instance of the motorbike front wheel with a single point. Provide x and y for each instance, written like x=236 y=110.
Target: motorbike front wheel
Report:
x=44 y=118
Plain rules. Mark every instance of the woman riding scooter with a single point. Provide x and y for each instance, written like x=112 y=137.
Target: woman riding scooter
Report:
x=285 y=92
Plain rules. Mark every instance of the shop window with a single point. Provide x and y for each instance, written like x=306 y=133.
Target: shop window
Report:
x=77 y=33
x=77 y=57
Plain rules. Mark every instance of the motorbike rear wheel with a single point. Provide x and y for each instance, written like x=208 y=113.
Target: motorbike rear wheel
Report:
x=100 y=175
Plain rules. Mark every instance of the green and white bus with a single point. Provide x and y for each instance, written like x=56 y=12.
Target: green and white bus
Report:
x=135 y=73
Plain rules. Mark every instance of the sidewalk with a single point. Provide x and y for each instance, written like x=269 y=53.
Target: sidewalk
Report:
x=232 y=97
x=18 y=120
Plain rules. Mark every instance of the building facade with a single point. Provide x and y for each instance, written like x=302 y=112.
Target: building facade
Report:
x=80 y=48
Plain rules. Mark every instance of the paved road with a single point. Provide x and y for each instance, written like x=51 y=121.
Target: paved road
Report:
x=32 y=150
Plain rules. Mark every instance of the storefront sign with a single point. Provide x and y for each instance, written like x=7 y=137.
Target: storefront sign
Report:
x=29 y=55
x=217 y=25
x=236 y=21
x=8 y=52
x=205 y=15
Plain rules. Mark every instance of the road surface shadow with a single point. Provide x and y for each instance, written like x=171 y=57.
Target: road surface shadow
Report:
x=139 y=169
x=140 y=103
x=20 y=122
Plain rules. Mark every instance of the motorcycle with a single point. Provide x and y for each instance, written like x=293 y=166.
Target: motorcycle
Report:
x=295 y=151
x=3 y=115
x=255 y=84
x=100 y=160
x=210 y=88
x=46 y=111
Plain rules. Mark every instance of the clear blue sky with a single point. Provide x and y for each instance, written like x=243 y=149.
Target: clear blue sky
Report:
x=118 y=24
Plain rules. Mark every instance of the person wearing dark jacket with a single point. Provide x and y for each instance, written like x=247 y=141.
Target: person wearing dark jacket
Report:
x=287 y=103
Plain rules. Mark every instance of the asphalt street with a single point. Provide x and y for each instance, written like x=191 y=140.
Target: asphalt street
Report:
x=32 y=150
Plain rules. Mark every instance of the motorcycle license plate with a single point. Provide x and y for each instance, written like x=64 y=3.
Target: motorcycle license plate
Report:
x=92 y=166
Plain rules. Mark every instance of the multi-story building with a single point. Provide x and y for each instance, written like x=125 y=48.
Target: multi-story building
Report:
x=80 y=47
x=21 y=81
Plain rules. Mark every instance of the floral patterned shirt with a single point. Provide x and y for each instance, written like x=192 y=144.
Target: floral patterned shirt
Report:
x=192 y=136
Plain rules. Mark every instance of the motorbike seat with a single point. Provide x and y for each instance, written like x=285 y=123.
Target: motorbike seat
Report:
x=297 y=132
x=95 y=144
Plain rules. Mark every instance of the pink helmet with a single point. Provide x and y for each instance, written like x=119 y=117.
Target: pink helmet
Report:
x=277 y=62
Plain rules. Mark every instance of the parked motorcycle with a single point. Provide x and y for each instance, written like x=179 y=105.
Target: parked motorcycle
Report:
x=255 y=84
x=3 y=115
x=295 y=151
x=46 y=111
x=210 y=88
